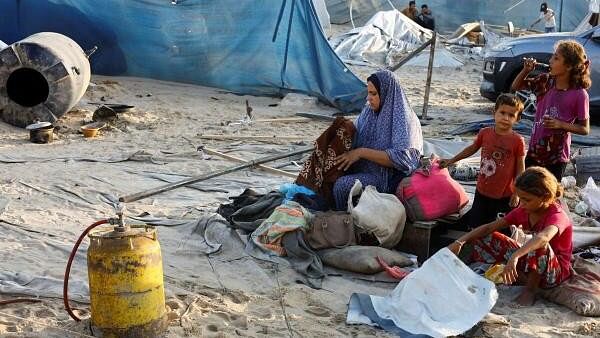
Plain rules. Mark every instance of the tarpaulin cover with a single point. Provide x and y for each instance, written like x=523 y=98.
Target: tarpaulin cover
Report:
x=449 y=14
x=259 y=47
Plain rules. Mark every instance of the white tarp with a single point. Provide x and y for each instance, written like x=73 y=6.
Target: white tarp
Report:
x=322 y=14
x=442 y=298
x=386 y=32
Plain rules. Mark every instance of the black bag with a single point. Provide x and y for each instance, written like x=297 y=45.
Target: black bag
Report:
x=331 y=230
x=594 y=19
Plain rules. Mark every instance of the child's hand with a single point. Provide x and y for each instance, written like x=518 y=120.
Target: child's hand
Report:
x=455 y=247
x=445 y=163
x=514 y=201
x=510 y=273
x=552 y=123
x=529 y=64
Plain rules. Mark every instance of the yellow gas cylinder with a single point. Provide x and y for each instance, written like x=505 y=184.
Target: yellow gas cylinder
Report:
x=126 y=283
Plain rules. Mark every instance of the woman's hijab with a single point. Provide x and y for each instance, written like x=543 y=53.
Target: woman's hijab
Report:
x=395 y=125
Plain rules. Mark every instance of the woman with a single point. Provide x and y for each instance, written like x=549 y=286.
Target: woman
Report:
x=388 y=142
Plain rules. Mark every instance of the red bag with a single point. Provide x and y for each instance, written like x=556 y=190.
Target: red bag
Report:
x=431 y=193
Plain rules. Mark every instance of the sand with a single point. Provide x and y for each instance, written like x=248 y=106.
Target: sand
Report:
x=222 y=295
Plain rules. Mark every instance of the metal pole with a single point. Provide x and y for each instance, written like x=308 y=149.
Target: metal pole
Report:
x=429 y=72
x=560 y=16
x=195 y=179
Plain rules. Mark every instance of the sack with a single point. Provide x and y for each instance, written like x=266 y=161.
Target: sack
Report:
x=380 y=214
x=431 y=193
x=362 y=259
x=331 y=230
x=581 y=292
x=590 y=194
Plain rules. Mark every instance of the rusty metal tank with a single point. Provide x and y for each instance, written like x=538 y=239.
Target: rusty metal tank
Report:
x=125 y=275
x=41 y=78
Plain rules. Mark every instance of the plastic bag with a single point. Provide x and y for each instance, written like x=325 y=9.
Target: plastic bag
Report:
x=591 y=196
x=378 y=213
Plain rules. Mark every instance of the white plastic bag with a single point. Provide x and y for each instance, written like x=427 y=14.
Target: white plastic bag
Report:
x=591 y=196
x=444 y=297
x=378 y=213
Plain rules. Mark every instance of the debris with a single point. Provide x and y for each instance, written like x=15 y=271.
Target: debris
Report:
x=241 y=160
x=249 y=111
x=590 y=194
x=105 y=113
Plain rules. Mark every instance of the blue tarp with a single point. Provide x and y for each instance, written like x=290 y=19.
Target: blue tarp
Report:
x=449 y=14
x=257 y=47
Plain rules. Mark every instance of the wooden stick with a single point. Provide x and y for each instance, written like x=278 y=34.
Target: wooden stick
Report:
x=241 y=160
x=204 y=177
x=252 y=137
x=429 y=71
x=287 y=119
x=412 y=54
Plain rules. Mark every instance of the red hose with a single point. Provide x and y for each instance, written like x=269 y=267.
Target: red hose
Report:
x=68 y=269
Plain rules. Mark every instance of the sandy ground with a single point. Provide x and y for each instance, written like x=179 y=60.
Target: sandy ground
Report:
x=167 y=122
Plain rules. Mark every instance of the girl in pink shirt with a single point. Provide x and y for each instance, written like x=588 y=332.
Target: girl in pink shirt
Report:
x=563 y=105
x=543 y=261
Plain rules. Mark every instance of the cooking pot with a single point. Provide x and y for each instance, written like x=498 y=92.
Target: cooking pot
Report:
x=41 y=132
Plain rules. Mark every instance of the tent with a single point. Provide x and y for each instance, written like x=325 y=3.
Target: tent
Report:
x=259 y=47
x=449 y=14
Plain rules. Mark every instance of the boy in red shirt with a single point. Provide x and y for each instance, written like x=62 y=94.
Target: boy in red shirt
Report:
x=502 y=159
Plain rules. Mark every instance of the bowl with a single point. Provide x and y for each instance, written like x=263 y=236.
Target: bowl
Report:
x=91 y=130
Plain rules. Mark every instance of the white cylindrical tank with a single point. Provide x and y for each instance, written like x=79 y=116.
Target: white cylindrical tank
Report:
x=41 y=78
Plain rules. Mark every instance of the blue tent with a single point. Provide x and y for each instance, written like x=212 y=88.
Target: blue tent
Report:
x=258 y=47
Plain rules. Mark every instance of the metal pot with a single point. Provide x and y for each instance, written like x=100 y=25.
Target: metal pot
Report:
x=41 y=132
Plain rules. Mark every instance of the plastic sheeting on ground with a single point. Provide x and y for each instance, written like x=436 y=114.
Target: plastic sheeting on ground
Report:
x=449 y=14
x=266 y=47
x=444 y=297
x=385 y=34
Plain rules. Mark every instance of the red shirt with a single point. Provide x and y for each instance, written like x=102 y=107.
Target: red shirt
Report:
x=499 y=155
x=561 y=243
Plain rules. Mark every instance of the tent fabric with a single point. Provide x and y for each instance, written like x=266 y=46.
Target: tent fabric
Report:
x=449 y=14
x=260 y=47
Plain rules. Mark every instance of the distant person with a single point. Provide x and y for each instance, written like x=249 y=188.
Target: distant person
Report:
x=425 y=18
x=595 y=10
x=547 y=15
x=411 y=11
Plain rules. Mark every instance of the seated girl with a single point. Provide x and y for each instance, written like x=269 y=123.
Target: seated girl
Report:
x=545 y=260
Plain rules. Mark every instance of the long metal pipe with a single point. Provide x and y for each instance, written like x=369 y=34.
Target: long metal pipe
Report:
x=204 y=177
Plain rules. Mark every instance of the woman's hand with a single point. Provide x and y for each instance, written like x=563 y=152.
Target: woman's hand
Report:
x=514 y=201
x=347 y=159
x=445 y=163
x=510 y=273
x=455 y=247
x=552 y=123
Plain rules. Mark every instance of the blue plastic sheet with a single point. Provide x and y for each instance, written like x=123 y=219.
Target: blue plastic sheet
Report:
x=258 y=47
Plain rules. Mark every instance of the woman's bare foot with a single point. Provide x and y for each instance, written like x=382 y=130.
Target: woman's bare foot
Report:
x=526 y=298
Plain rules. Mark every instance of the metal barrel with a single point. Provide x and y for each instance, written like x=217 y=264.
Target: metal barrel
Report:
x=41 y=78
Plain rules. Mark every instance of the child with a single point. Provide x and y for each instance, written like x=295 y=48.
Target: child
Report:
x=562 y=106
x=502 y=159
x=545 y=260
